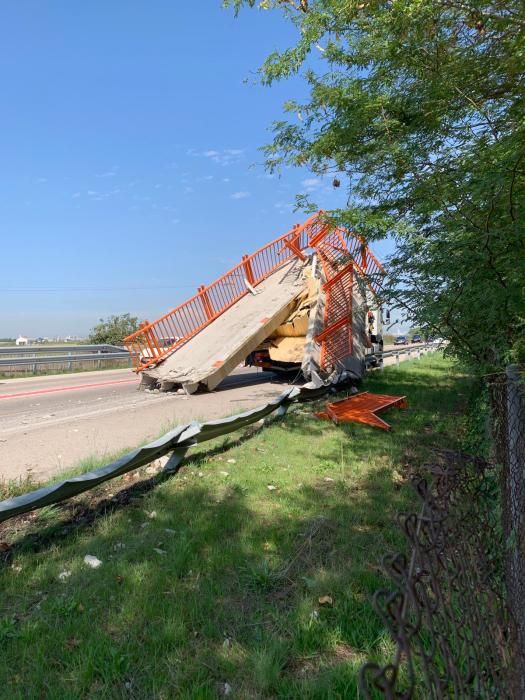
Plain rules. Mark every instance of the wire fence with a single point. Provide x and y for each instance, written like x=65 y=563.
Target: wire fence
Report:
x=457 y=606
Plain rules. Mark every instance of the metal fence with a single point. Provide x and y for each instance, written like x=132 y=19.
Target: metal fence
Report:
x=457 y=609
x=507 y=399
x=17 y=350
x=15 y=360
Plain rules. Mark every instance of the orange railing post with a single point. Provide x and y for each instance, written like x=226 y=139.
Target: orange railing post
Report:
x=247 y=265
x=208 y=307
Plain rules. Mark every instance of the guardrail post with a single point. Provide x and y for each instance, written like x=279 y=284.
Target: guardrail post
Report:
x=69 y=364
x=34 y=364
x=397 y=359
x=208 y=307
x=98 y=361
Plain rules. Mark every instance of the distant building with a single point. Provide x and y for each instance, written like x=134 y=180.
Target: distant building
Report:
x=21 y=340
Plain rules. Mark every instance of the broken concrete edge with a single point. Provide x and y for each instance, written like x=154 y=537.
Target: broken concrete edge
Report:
x=225 y=341
x=177 y=441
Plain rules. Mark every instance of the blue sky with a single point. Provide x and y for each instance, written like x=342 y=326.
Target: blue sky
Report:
x=129 y=136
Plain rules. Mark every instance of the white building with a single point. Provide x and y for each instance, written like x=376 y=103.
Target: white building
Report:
x=21 y=340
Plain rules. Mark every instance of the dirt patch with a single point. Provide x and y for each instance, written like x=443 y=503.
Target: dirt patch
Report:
x=308 y=666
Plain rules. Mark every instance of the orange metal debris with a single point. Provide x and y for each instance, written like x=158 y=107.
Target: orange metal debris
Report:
x=362 y=408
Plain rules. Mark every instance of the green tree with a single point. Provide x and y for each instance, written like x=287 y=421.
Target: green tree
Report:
x=417 y=107
x=114 y=329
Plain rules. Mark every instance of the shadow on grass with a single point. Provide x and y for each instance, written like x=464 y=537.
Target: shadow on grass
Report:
x=210 y=591
x=80 y=512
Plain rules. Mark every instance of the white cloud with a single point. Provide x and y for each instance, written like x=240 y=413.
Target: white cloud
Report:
x=75 y=195
x=175 y=221
x=42 y=179
x=99 y=196
x=224 y=157
x=311 y=184
x=108 y=173
x=240 y=195
x=225 y=179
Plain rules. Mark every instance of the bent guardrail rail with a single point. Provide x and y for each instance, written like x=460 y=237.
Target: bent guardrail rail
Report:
x=176 y=441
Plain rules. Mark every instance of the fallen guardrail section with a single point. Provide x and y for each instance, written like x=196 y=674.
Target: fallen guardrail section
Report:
x=176 y=441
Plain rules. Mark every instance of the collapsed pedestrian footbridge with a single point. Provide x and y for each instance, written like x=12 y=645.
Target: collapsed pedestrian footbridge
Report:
x=307 y=302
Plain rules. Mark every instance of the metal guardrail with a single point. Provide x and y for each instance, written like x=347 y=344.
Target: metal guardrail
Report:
x=176 y=442
x=37 y=349
x=62 y=359
x=101 y=354
x=408 y=350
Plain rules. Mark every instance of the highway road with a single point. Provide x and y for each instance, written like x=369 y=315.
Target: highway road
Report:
x=50 y=423
x=55 y=422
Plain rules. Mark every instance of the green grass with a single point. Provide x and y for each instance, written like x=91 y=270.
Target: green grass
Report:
x=210 y=578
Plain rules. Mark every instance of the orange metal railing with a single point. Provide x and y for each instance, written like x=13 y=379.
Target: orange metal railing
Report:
x=336 y=338
x=154 y=341
x=341 y=254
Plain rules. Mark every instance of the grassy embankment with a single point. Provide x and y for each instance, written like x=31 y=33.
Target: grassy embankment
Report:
x=210 y=577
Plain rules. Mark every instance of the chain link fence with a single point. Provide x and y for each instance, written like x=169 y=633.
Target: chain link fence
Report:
x=457 y=608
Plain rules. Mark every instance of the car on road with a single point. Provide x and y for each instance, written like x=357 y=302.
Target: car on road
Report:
x=400 y=340
x=417 y=338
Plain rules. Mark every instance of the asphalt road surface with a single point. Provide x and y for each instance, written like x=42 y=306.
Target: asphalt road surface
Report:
x=55 y=422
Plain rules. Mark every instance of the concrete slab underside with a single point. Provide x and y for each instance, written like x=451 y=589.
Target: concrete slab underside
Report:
x=214 y=352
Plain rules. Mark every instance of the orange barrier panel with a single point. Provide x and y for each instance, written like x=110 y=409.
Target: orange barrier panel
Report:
x=339 y=252
x=338 y=267
x=362 y=408
x=154 y=341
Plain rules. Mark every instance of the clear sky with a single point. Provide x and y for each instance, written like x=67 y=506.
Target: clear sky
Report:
x=130 y=171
